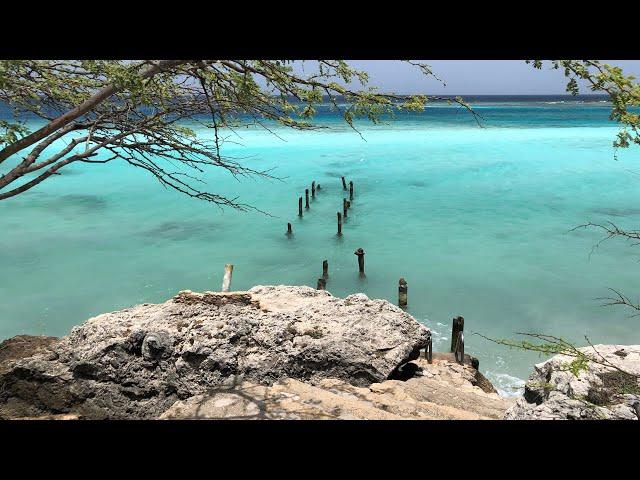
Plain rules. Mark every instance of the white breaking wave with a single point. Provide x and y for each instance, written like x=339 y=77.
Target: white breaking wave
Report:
x=506 y=385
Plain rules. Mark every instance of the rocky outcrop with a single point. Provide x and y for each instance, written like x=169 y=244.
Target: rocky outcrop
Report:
x=138 y=362
x=22 y=346
x=442 y=390
x=562 y=388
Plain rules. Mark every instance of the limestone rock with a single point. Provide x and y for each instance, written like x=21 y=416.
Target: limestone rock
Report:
x=596 y=392
x=421 y=397
x=22 y=346
x=137 y=362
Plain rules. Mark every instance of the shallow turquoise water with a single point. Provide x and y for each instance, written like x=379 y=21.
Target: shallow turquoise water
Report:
x=475 y=219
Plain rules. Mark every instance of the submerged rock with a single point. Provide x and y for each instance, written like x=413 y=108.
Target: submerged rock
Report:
x=137 y=362
x=560 y=388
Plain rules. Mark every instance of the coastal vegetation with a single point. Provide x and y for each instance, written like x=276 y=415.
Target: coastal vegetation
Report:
x=137 y=111
x=144 y=113
x=623 y=91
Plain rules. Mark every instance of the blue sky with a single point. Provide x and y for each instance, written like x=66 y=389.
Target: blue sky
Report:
x=473 y=77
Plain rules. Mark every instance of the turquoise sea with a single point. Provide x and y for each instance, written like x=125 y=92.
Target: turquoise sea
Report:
x=476 y=219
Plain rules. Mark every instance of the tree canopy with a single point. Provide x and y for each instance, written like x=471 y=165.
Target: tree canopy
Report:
x=137 y=111
x=622 y=89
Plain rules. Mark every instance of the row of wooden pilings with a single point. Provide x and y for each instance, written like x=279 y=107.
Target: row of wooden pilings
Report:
x=346 y=204
x=457 y=329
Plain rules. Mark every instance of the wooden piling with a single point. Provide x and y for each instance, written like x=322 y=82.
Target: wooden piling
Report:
x=339 y=224
x=457 y=327
x=226 y=280
x=350 y=190
x=348 y=204
x=300 y=206
x=313 y=189
x=318 y=187
x=322 y=284
x=325 y=269
x=402 y=293
x=360 y=253
x=289 y=229
x=306 y=198
x=344 y=208
x=344 y=184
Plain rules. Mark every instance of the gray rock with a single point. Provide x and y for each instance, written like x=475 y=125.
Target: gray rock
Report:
x=553 y=392
x=137 y=362
x=22 y=346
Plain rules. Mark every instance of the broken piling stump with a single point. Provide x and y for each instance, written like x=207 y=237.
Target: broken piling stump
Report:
x=344 y=207
x=402 y=293
x=289 y=229
x=360 y=253
x=456 y=328
x=322 y=284
x=300 y=206
x=350 y=190
x=306 y=198
x=313 y=189
x=325 y=269
x=339 y=224
x=226 y=280
x=344 y=184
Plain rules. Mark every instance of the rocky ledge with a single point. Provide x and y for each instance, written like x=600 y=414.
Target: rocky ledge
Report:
x=564 y=388
x=270 y=352
x=138 y=362
x=442 y=390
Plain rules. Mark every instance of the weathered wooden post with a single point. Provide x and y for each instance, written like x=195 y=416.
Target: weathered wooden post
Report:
x=350 y=190
x=313 y=189
x=339 y=224
x=325 y=269
x=360 y=253
x=344 y=184
x=402 y=293
x=306 y=198
x=300 y=206
x=318 y=187
x=344 y=207
x=322 y=284
x=289 y=229
x=348 y=203
x=458 y=326
x=226 y=280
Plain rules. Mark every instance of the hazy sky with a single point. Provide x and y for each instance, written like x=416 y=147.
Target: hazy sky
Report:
x=479 y=77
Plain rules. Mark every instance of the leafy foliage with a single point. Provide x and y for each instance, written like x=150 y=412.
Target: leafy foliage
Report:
x=622 y=89
x=138 y=112
x=547 y=345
